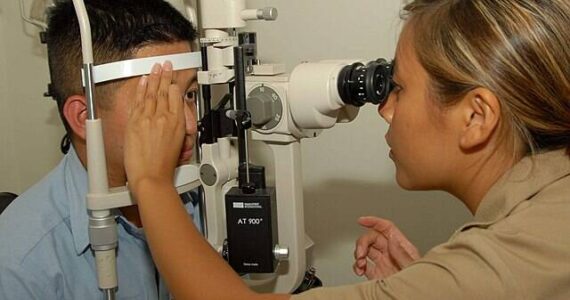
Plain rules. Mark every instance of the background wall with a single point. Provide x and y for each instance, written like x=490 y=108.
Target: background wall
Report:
x=346 y=170
x=30 y=131
x=4 y=142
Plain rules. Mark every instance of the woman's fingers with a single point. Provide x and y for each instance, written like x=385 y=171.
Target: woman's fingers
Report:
x=367 y=240
x=359 y=267
x=137 y=106
x=164 y=88
x=369 y=246
x=152 y=90
x=154 y=134
x=383 y=250
x=381 y=268
x=362 y=244
x=378 y=224
x=176 y=111
x=175 y=101
x=401 y=250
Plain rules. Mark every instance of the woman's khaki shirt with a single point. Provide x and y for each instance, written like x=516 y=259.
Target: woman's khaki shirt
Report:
x=518 y=246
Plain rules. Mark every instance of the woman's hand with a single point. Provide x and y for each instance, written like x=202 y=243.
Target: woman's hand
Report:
x=385 y=247
x=155 y=129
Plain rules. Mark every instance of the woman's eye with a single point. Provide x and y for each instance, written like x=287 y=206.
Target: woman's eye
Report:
x=396 y=87
x=395 y=92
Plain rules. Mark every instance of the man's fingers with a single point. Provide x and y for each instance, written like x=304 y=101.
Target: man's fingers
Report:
x=164 y=87
x=152 y=90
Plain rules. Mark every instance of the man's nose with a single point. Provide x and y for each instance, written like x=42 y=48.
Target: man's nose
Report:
x=190 y=115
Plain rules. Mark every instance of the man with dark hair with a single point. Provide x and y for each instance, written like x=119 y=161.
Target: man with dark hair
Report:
x=45 y=251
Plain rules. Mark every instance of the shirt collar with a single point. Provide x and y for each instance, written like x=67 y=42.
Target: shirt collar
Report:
x=130 y=228
x=524 y=180
x=76 y=186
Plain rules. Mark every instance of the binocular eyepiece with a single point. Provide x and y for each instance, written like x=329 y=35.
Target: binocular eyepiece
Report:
x=359 y=84
x=321 y=94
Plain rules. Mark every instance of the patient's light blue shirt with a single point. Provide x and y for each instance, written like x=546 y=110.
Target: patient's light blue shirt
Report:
x=44 y=244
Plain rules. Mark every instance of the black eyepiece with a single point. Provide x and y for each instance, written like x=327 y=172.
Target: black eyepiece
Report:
x=359 y=84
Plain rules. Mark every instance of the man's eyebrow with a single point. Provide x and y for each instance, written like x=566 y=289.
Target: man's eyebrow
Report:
x=191 y=80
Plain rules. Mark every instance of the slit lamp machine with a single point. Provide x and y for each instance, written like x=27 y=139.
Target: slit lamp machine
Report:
x=252 y=205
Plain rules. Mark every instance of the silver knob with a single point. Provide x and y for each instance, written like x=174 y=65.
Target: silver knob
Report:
x=281 y=253
x=267 y=13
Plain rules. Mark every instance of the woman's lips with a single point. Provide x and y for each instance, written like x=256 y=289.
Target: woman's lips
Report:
x=391 y=154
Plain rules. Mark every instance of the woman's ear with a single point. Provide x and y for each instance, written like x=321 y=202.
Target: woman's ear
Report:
x=481 y=114
x=75 y=112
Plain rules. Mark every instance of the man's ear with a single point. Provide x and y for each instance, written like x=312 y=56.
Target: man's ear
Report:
x=481 y=114
x=75 y=112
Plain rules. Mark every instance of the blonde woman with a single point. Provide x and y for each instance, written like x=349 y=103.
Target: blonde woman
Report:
x=481 y=110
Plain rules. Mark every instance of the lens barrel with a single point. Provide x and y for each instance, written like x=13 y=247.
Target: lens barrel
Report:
x=359 y=84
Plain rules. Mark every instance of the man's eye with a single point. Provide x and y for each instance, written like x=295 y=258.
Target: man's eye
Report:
x=190 y=96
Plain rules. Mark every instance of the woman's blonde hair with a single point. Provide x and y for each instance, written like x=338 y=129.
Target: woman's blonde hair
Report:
x=518 y=49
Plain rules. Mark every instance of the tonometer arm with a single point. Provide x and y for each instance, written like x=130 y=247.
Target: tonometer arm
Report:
x=102 y=225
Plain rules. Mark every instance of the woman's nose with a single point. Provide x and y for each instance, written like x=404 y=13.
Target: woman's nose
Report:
x=386 y=111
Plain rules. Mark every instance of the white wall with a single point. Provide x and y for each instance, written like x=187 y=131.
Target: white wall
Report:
x=346 y=170
x=30 y=127
x=4 y=141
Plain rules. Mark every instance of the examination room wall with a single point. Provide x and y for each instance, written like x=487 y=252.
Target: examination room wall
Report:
x=30 y=131
x=347 y=172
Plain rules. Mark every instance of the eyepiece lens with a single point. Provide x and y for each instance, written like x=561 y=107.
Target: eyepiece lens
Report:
x=359 y=84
